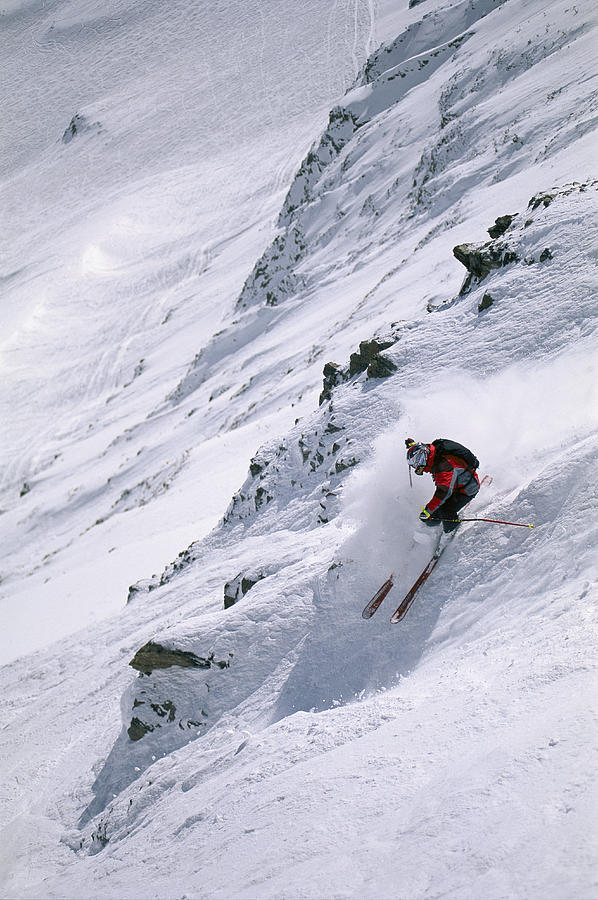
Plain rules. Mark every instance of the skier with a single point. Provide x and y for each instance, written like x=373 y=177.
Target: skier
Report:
x=453 y=468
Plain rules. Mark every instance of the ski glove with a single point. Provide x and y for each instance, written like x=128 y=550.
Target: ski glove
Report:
x=426 y=517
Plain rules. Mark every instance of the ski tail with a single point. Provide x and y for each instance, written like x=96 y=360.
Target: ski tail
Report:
x=399 y=613
x=378 y=597
x=401 y=610
x=407 y=600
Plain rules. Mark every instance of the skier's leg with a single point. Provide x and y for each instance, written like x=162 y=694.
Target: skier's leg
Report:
x=450 y=510
x=459 y=501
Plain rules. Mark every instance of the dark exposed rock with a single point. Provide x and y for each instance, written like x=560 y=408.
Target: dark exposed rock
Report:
x=78 y=125
x=138 y=370
x=543 y=199
x=545 y=254
x=257 y=465
x=235 y=589
x=485 y=303
x=480 y=261
x=328 y=505
x=315 y=450
x=262 y=497
x=142 y=587
x=367 y=359
x=500 y=226
x=342 y=464
x=184 y=559
x=304 y=449
x=25 y=489
x=99 y=838
x=165 y=710
x=247 y=583
x=333 y=376
x=368 y=354
x=476 y=261
x=138 y=729
x=380 y=367
x=154 y=656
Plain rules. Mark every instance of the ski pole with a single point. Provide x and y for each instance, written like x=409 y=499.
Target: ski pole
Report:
x=496 y=522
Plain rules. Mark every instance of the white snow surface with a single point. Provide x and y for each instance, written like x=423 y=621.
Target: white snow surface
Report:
x=202 y=204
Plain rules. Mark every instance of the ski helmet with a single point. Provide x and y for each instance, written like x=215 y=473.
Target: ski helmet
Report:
x=417 y=457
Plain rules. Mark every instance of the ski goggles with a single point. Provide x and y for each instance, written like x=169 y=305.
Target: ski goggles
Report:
x=417 y=458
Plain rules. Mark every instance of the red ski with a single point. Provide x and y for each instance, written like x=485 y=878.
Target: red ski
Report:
x=377 y=599
x=401 y=610
x=407 y=600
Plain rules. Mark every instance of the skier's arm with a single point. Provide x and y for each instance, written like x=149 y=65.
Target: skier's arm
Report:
x=444 y=489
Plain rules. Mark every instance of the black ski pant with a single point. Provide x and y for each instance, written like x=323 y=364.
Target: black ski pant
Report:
x=450 y=510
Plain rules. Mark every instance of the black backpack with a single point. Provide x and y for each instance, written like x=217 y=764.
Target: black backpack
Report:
x=444 y=446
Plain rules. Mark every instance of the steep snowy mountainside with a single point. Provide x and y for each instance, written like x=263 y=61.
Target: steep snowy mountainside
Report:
x=429 y=166
x=148 y=149
x=297 y=485
x=329 y=234
x=432 y=273
x=481 y=710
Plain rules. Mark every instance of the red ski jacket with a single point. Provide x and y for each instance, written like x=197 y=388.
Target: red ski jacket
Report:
x=451 y=475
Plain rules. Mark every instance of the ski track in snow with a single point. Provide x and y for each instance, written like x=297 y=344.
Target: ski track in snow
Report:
x=309 y=753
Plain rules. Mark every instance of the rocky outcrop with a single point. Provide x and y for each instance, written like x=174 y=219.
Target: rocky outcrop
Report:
x=388 y=74
x=500 y=226
x=138 y=728
x=273 y=277
x=237 y=587
x=143 y=586
x=342 y=125
x=78 y=125
x=368 y=359
x=542 y=199
x=297 y=466
x=311 y=463
x=481 y=260
x=155 y=656
x=333 y=376
x=485 y=303
x=146 y=585
x=153 y=706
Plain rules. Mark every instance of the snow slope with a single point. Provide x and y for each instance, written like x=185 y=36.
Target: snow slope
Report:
x=283 y=746
x=120 y=263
